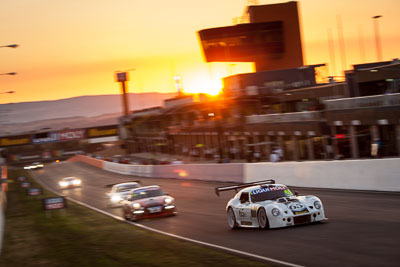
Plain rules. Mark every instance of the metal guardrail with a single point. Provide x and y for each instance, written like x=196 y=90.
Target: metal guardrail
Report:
x=364 y=101
x=285 y=117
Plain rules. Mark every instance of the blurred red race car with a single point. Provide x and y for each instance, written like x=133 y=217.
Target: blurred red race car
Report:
x=148 y=201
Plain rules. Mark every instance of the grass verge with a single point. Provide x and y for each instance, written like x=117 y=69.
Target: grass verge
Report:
x=78 y=236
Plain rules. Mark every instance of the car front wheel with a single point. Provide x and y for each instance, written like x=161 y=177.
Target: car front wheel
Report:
x=232 y=219
x=262 y=218
x=125 y=214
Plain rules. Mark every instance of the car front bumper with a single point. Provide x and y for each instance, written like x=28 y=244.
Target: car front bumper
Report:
x=285 y=220
x=148 y=212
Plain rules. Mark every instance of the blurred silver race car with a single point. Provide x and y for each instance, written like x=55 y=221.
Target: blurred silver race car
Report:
x=120 y=192
x=265 y=204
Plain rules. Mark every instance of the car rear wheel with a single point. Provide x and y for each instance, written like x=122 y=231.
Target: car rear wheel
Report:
x=232 y=219
x=262 y=218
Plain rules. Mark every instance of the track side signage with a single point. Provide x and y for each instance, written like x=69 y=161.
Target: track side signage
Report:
x=54 y=203
x=33 y=191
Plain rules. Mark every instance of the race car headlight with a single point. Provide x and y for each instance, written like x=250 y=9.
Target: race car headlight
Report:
x=317 y=204
x=168 y=200
x=76 y=182
x=116 y=198
x=136 y=205
x=275 y=212
x=63 y=184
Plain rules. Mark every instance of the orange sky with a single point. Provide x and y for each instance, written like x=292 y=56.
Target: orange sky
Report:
x=72 y=48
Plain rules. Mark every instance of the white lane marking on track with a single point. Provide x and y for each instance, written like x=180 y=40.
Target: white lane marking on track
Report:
x=172 y=235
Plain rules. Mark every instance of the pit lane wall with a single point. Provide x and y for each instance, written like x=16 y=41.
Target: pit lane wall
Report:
x=232 y=172
x=88 y=160
x=128 y=169
x=205 y=172
x=374 y=174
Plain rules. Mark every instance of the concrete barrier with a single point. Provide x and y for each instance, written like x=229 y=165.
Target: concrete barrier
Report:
x=374 y=174
x=141 y=170
x=128 y=169
x=232 y=172
x=116 y=167
x=88 y=160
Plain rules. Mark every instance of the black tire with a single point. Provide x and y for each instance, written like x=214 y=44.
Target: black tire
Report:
x=232 y=219
x=262 y=219
x=133 y=218
x=125 y=214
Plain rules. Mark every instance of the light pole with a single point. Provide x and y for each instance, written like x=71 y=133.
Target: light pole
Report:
x=178 y=84
x=377 y=37
x=216 y=116
x=10 y=46
x=8 y=73
x=122 y=77
x=8 y=92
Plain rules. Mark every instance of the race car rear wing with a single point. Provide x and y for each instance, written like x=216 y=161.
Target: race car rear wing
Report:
x=240 y=186
x=111 y=185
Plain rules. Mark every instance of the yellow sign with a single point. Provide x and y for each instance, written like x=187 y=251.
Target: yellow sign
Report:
x=98 y=132
x=14 y=142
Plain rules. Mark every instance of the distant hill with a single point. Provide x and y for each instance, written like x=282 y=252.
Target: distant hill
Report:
x=82 y=111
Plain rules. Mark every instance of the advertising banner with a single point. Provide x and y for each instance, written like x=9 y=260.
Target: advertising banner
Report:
x=25 y=184
x=71 y=135
x=33 y=191
x=111 y=130
x=15 y=140
x=53 y=203
x=43 y=138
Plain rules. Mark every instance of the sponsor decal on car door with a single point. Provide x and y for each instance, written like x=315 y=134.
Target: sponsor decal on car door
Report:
x=244 y=212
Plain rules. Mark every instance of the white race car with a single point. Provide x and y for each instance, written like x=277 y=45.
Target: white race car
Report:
x=265 y=204
x=34 y=166
x=119 y=192
x=69 y=182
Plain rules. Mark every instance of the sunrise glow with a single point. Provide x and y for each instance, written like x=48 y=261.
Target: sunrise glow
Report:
x=68 y=52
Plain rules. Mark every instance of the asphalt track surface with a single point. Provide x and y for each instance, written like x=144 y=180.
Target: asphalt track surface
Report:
x=363 y=227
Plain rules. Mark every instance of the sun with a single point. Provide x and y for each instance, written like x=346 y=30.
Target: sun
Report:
x=214 y=87
x=209 y=80
x=204 y=85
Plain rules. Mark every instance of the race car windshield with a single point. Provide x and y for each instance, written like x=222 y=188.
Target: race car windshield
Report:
x=269 y=194
x=140 y=194
x=126 y=187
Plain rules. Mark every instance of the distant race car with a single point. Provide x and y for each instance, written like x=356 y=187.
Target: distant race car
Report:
x=27 y=167
x=265 y=204
x=120 y=192
x=34 y=166
x=69 y=182
x=148 y=201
